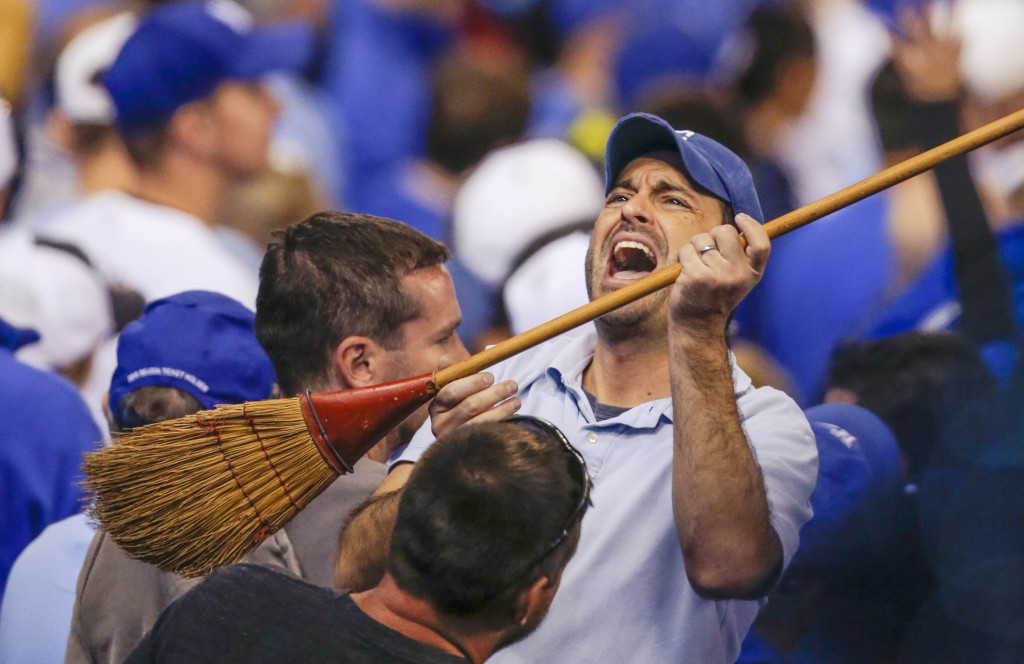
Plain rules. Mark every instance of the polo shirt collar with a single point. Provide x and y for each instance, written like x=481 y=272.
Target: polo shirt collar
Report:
x=566 y=370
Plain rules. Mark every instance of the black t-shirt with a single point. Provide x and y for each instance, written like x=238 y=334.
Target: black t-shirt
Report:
x=247 y=613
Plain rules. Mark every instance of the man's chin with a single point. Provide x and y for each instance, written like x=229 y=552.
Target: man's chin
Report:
x=629 y=316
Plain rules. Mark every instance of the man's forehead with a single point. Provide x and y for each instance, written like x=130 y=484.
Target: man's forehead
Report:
x=430 y=276
x=433 y=290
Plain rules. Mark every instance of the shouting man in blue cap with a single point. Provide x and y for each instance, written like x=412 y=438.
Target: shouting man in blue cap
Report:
x=701 y=481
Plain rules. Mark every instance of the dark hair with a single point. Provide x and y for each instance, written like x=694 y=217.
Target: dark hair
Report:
x=480 y=506
x=932 y=389
x=88 y=138
x=153 y=403
x=779 y=36
x=145 y=148
x=478 y=105
x=332 y=276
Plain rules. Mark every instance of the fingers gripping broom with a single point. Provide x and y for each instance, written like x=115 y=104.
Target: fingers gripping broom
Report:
x=197 y=492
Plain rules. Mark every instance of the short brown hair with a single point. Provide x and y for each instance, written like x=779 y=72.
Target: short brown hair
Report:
x=332 y=276
x=153 y=403
x=477 y=510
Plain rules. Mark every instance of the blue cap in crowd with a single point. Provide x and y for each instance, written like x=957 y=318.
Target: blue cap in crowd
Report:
x=859 y=474
x=182 y=51
x=708 y=163
x=200 y=342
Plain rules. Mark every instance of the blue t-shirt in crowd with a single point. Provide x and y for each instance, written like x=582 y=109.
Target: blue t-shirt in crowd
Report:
x=45 y=427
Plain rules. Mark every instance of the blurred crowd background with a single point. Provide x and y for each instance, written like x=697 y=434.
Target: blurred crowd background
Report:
x=482 y=123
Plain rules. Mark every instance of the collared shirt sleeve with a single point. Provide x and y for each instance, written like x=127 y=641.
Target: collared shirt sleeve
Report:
x=784 y=446
x=421 y=440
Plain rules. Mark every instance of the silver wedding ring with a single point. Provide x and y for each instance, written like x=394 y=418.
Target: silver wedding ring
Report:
x=706 y=248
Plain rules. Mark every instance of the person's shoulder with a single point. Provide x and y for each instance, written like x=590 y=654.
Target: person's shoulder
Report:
x=253 y=579
x=84 y=215
x=35 y=389
x=768 y=413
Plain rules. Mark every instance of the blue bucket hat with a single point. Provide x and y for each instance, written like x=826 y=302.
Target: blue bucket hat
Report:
x=708 y=163
x=200 y=342
x=182 y=51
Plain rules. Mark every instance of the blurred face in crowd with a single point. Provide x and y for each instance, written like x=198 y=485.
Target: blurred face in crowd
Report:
x=242 y=116
x=652 y=211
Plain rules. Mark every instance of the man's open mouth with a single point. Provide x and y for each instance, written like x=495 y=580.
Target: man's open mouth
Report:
x=631 y=259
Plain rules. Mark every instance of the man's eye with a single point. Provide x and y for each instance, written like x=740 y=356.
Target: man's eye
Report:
x=618 y=198
x=676 y=201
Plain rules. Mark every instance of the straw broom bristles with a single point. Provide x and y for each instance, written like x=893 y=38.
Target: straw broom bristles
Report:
x=215 y=484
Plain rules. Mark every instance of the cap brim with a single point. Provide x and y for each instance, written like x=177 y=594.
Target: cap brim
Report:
x=287 y=47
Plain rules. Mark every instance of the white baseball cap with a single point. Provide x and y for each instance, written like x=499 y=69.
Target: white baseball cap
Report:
x=57 y=295
x=515 y=195
x=991 y=58
x=80 y=94
x=548 y=284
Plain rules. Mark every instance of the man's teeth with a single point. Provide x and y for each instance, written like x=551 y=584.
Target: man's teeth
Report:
x=630 y=244
x=632 y=256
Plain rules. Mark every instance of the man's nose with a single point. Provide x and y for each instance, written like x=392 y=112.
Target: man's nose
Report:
x=637 y=209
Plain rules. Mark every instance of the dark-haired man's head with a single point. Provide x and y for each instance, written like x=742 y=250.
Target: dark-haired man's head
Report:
x=932 y=389
x=352 y=300
x=479 y=103
x=782 y=65
x=486 y=524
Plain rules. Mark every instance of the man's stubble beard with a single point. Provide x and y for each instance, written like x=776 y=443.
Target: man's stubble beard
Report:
x=630 y=320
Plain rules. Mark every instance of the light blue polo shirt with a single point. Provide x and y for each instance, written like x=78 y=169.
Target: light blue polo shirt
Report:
x=625 y=596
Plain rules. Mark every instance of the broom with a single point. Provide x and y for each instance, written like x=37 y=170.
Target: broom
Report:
x=190 y=494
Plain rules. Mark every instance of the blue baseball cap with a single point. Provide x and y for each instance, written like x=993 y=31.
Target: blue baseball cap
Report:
x=200 y=342
x=182 y=51
x=708 y=163
x=859 y=477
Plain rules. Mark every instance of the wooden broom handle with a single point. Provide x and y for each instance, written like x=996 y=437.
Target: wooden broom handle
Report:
x=784 y=224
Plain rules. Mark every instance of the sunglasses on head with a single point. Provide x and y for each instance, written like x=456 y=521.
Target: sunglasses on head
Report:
x=577 y=467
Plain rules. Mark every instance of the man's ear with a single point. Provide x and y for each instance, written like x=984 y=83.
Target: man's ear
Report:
x=107 y=413
x=59 y=128
x=358 y=360
x=191 y=129
x=533 y=602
